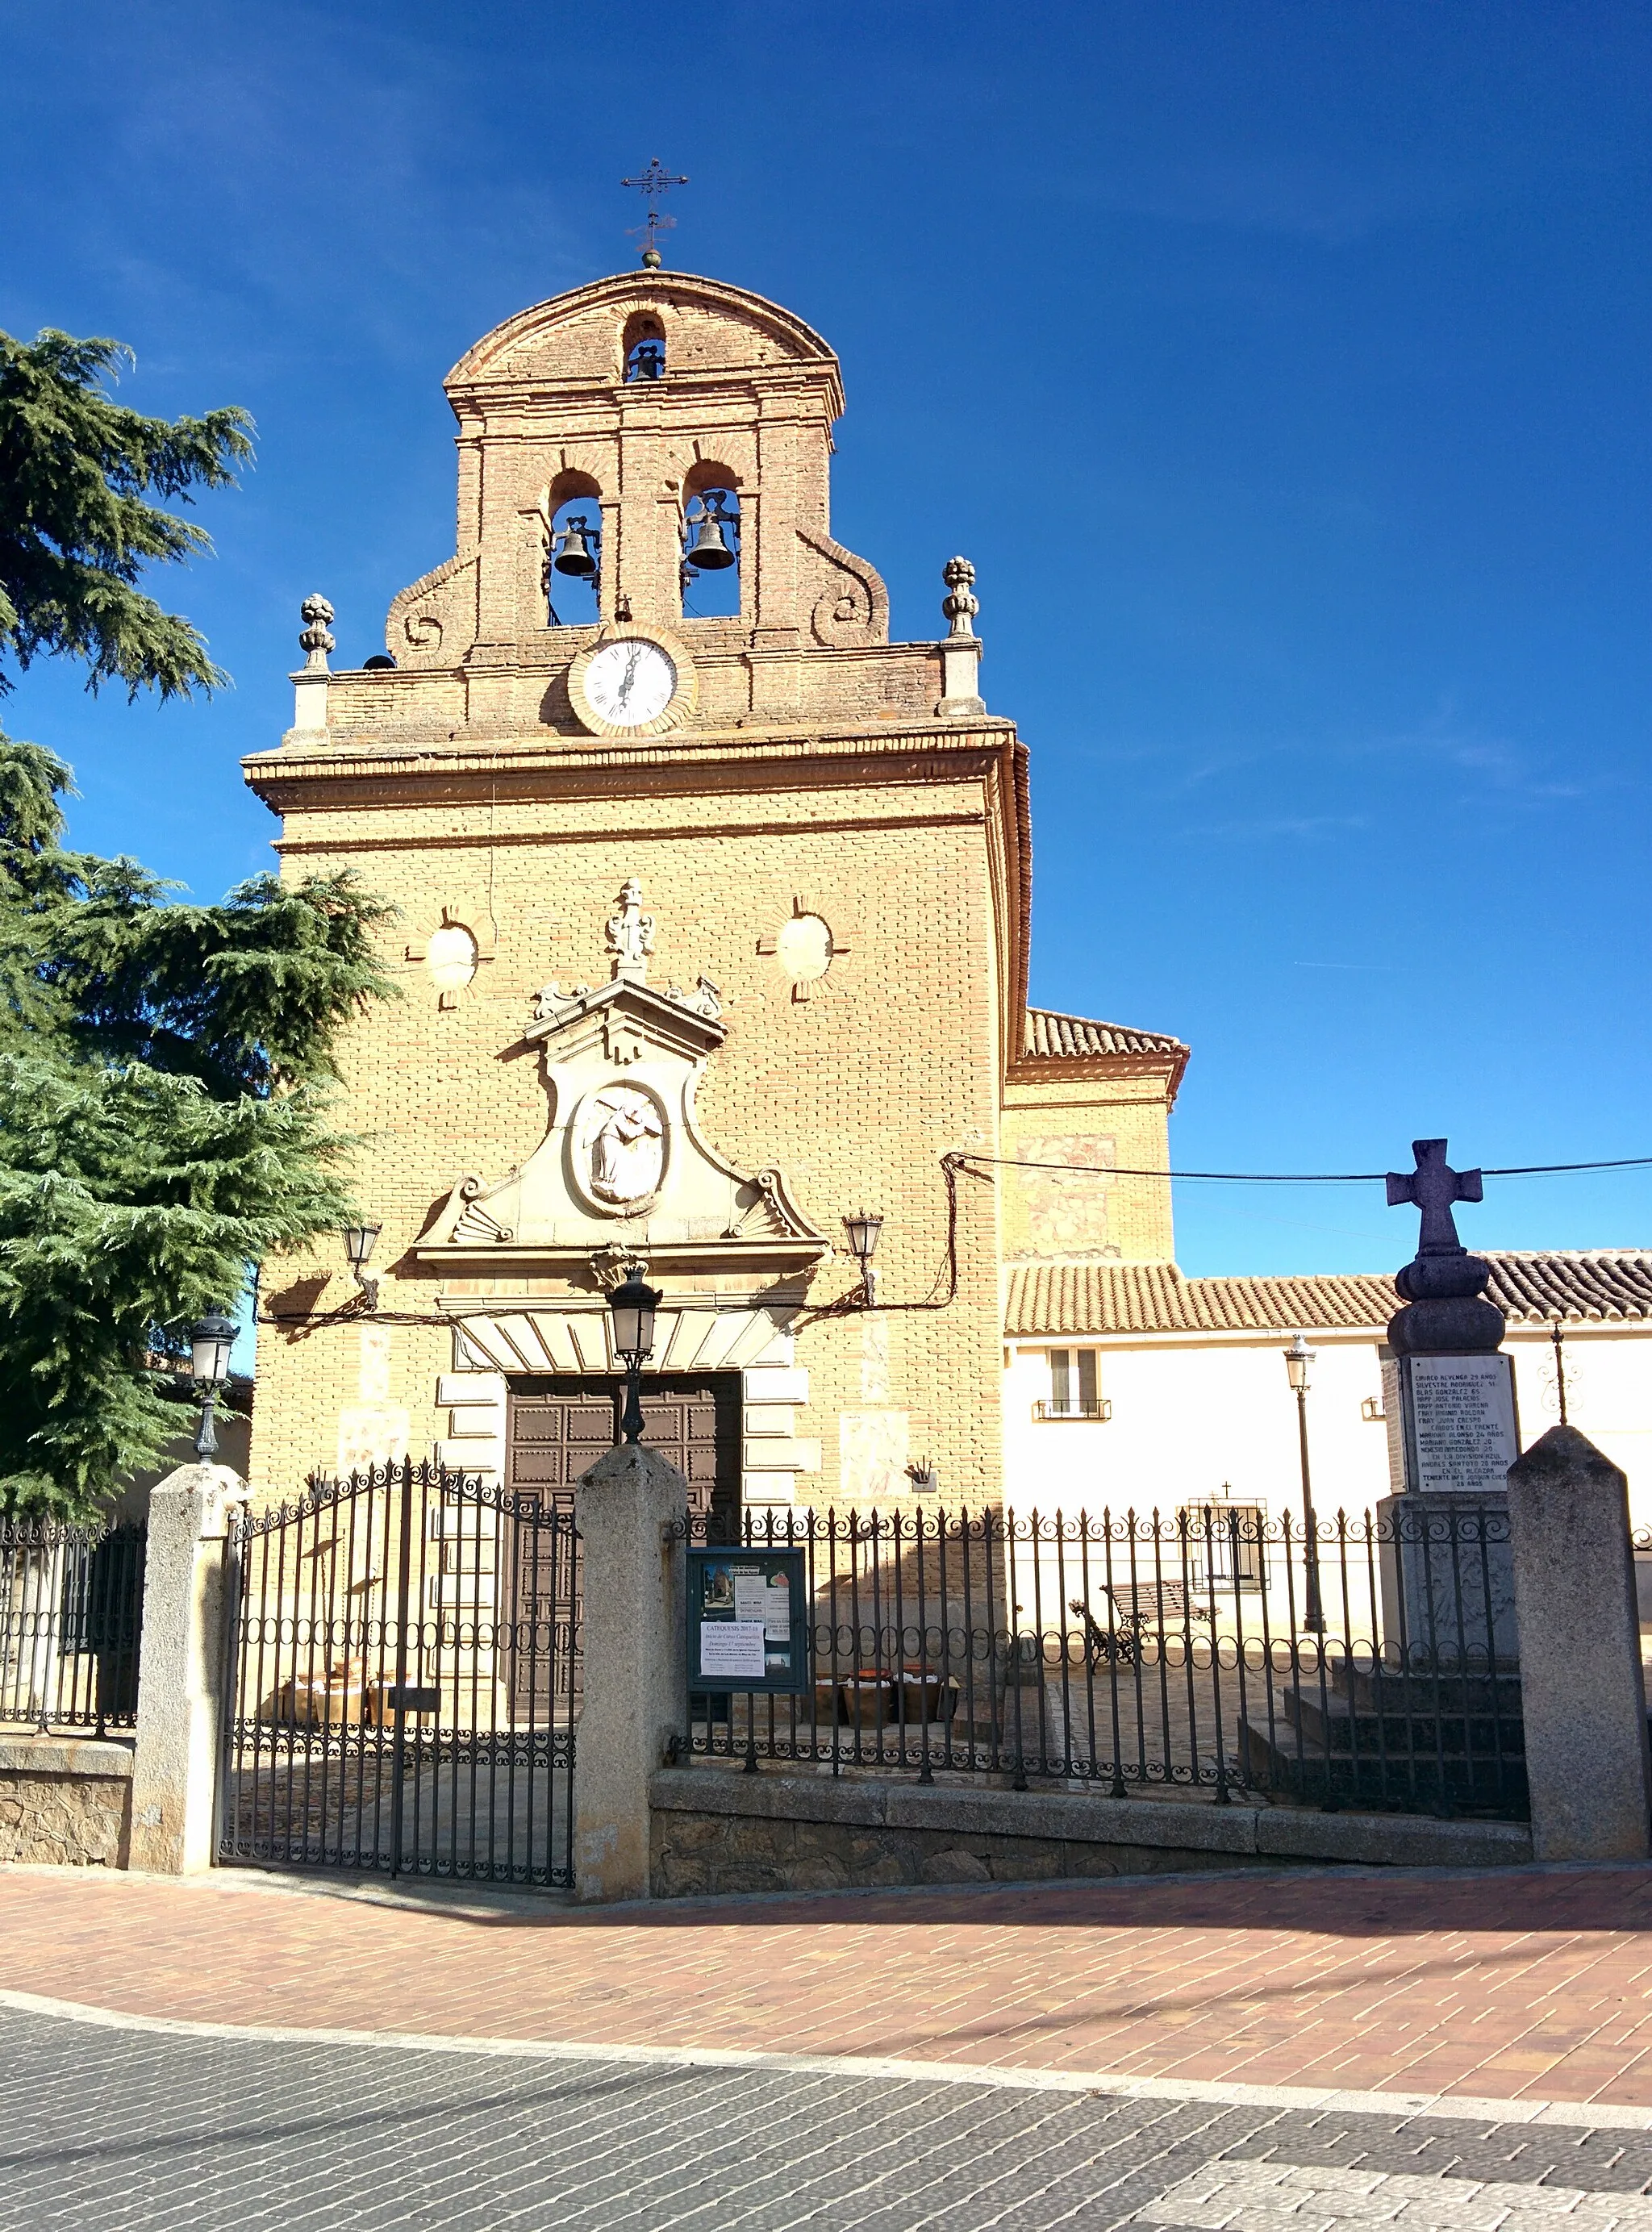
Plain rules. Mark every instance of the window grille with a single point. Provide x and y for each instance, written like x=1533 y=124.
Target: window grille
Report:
x=1233 y=1534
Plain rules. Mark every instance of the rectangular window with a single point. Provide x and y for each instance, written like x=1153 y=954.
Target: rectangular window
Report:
x=1075 y=1390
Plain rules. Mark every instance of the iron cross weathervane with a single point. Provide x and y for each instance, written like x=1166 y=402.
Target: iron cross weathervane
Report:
x=654 y=181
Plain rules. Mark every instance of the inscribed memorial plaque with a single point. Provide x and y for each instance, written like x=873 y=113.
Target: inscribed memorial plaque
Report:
x=1461 y=1434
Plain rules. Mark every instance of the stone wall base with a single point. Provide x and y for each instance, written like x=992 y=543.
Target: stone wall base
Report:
x=65 y=1801
x=715 y=1832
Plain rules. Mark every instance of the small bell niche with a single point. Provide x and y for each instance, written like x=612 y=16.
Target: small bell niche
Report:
x=643 y=347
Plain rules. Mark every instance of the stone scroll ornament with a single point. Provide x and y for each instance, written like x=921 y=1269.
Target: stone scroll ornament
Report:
x=1444 y=1285
x=854 y=607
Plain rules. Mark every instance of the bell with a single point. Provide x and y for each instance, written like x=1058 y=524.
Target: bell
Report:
x=709 y=552
x=573 y=557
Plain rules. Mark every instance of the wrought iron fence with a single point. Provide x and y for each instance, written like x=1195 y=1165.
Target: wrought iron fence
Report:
x=1213 y=1650
x=71 y=1616
x=403 y=1676
x=1641 y=1547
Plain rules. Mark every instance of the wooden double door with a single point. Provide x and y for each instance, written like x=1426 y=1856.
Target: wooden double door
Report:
x=558 y=1427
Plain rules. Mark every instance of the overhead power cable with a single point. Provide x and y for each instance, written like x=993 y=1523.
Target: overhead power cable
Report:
x=1293 y=1178
x=944 y=1290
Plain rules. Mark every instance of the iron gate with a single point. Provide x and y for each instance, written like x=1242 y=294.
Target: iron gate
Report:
x=402 y=1680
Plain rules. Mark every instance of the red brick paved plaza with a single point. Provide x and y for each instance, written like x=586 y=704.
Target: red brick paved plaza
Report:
x=1528 y=1985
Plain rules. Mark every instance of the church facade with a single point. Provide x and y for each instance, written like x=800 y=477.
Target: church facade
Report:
x=712 y=932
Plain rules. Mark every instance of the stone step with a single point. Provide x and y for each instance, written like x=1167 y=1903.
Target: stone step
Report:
x=1434 y=1773
x=1401 y=1732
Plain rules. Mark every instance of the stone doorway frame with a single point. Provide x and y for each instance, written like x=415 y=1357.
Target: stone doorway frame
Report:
x=500 y=1337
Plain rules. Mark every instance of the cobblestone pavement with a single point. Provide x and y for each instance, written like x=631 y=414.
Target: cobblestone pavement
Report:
x=1527 y=1985
x=136 y=2131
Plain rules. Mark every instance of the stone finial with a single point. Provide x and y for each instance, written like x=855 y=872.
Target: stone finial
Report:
x=960 y=605
x=960 y=648
x=317 y=639
x=631 y=933
x=1444 y=1285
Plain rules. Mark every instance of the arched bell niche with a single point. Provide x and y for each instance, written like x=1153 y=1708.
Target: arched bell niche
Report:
x=574 y=564
x=712 y=558
x=643 y=348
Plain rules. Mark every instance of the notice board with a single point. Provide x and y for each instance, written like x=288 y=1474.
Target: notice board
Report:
x=748 y=1620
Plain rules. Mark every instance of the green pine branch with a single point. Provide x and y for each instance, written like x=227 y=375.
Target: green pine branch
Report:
x=77 y=525
x=163 y=1124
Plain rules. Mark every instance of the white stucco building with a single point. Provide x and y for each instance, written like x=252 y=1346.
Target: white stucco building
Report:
x=1130 y=1385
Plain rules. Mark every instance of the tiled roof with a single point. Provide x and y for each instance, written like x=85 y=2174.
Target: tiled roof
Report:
x=1053 y=1037
x=1594 y=1282
x=1602 y=1285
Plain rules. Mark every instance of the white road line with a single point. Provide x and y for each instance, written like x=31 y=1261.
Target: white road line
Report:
x=1580 y=2114
x=1278 y=2197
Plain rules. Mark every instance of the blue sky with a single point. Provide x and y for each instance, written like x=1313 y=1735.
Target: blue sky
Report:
x=1282 y=367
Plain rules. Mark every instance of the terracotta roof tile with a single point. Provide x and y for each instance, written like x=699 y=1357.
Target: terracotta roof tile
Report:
x=1603 y=1285
x=1054 y=1037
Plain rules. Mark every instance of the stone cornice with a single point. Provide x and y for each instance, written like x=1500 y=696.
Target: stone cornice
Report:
x=1057 y=1069
x=922 y=741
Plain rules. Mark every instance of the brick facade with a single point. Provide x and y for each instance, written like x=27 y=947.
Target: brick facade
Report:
x=814 y=774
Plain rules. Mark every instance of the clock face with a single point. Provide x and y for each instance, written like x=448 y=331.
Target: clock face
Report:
x=630 y=683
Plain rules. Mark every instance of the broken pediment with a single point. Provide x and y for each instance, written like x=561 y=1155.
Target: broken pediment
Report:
x=622 y=1165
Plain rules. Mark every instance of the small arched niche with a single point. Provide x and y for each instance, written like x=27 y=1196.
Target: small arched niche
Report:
x=573 y=598
x=643 y=348
x=713 y=560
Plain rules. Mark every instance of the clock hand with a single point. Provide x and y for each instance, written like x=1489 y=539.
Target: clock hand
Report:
x=630 y=673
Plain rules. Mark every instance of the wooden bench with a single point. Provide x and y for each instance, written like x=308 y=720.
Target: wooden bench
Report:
x=1146 y=1608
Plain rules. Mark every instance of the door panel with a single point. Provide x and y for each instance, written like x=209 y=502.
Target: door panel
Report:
x=558 y=1427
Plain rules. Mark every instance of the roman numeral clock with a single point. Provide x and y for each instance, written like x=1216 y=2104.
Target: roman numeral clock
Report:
x=632 y=681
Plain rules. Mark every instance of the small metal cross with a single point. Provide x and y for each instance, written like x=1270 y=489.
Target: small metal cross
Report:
x=1434 y=1186
x=654 y=181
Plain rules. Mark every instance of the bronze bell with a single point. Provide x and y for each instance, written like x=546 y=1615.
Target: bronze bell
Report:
x=573 y=557
x=709 y=552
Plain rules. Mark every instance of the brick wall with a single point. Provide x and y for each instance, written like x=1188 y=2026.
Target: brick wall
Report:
x=1105 y=1118
x=853 y=1094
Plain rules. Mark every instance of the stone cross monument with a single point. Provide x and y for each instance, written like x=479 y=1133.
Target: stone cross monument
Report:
x=1448 y=1399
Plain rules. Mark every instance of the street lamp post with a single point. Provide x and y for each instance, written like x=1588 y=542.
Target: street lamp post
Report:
x=1558 y=1337
x=1297 y=1358
x=211 y=1342
x=632 y=1307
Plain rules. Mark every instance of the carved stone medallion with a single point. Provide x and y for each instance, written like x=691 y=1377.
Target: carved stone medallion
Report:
x=618 y=1148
